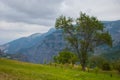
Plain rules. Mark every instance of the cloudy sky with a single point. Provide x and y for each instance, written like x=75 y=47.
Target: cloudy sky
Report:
x=20 y=18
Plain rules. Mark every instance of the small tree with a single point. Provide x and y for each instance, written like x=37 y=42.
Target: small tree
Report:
x=55 y=58
x=96 y=61
x=65 y=57
x=117 y=65
x=106 y=66
x=83 y=36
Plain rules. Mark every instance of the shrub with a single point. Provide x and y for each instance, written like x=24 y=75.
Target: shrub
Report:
x=96 y=70
x=106 y=66
x=117 y=65
x=96 y=61
x=65 y=57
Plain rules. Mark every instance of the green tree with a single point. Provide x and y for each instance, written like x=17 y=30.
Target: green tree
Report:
x=84 y=35
x=96 y=61
x=55 y=58
x=106 y=66
x=116 y=65
x=65 y=57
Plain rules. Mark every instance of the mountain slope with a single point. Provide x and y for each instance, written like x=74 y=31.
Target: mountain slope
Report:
x=49 y=44
x=24 y=42
x=112 y=53
x=44 y=50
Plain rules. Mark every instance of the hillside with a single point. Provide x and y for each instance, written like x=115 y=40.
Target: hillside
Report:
x=18 y=45
x=113 y=53
x=14 y=70
x=39 y=48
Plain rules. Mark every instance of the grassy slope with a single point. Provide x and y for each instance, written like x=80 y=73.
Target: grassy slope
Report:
x=15 y=70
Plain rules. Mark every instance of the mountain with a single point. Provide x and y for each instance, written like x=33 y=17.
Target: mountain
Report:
x=44 y=50
x=114 y=28
x=24 y=42
x=112 y=53
x=40 y=48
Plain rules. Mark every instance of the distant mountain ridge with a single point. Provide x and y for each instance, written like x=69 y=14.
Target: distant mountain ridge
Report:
x=39 y=48
x=23 y=43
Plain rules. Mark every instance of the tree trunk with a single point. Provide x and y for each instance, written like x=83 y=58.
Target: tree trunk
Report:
x=83 y=63
x=83 y=67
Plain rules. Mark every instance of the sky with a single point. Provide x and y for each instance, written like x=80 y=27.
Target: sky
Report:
x=20 y=18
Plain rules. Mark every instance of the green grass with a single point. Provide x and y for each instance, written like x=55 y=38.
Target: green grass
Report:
x=15 y=70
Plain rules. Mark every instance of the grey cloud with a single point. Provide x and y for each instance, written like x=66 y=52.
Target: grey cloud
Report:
x=24 y=17
x=28 y=10
x=44 y=12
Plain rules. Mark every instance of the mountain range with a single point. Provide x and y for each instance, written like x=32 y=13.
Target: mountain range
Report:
x=40 y=48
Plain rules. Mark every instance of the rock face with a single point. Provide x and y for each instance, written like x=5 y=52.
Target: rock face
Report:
x=40 y=48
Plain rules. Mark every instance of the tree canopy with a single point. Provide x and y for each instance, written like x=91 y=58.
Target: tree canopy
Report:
x=83 y=34
x=65 y=57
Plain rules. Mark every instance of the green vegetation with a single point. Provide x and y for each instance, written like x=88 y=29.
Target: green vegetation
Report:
x=65 y=57
x=116 y=65
x=96 y=61
x=15 y=70
x=83 y=36
x=103 y=63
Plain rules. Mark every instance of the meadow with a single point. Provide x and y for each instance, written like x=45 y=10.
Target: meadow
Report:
x=16 y=70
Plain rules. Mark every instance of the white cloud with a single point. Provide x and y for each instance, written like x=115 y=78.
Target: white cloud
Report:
x=102 y=9
x=30 y=11
x=10 y=31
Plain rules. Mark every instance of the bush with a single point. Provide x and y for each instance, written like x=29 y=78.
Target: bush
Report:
x=118 y=68
x=106 y=66
x=117 y=65
x=96 y=61
x=65 y=57
x=96 y=70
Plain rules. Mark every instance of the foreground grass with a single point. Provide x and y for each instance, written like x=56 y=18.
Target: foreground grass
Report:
x=15 y=70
